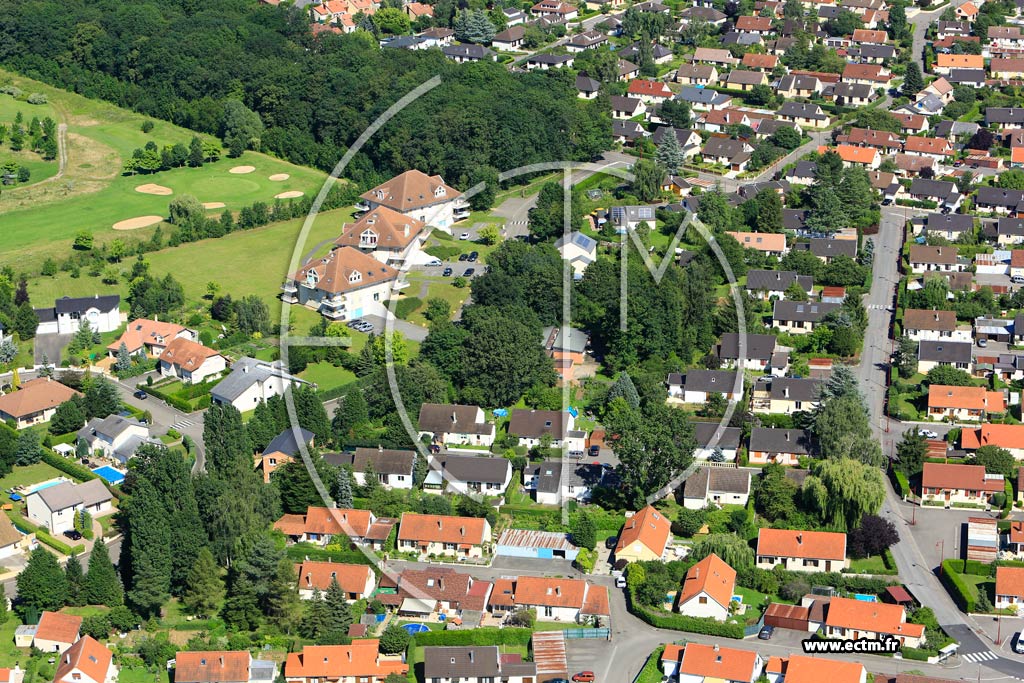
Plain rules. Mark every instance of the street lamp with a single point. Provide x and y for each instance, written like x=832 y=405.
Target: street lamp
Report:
x=941 y=545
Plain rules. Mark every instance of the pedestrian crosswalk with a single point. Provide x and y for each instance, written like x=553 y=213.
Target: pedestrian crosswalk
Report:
x=182 y=424
x=878 y=307
x=978 y=657
x=524 y=222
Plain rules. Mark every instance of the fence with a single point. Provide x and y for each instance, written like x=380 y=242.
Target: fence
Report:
x=753 y=629
x=587 y=633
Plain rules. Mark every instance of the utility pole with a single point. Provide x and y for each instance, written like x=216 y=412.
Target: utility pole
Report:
x=942 y=554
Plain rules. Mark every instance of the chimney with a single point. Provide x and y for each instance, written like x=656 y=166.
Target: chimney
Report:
x=349 y=654
x=788 y=437
x=439 y=524
x=558 y=591
x=380 y=449
x=716 y=647
x=222 y=661
x=470 y=656
x=785 y=391
x=799 y=539
x=455 y=417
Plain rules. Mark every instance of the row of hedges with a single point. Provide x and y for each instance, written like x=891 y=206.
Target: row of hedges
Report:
x=68 y=466
x=900 y=482
x=173 y=401
x=406 y=307
x=301 y=552
x=44 y=536
x=476 y=636
x=681 y=622
x=337 y=392
x=957 y=587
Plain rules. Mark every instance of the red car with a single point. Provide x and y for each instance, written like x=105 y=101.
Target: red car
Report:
x=584 y=677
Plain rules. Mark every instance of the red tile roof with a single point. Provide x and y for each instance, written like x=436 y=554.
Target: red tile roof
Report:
x=718 y=663
x=35 y=396
x=360 y=659
x=212 y=667
x=352 y=578
x=965 y=398
x=815 y=545
x=647 y=88
x=326 y=521
x=712 y=576
x=88 y=656
x=58 y=627
x=878 y=617
x=344 y=270
x=186 y=353
x=412 y=190
x=804 y=669
x=648 y=526
x=441 y=529
x=1003 y=436
x=1010 y=581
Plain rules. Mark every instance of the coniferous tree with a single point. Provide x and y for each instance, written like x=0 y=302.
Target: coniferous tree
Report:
x=102 y=585
x=670 y=153
x=343 y=488
x=76 y=581
x=241 y=608
x=338 y=614
x=42 y=585
x=314 y=621
x=624 y=388
x=123 y=363
x=149 y=547
x=366 y=363
x=350 y=413
x=204 y=589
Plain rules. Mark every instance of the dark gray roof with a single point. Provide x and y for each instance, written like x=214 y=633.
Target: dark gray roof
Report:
x=875 y=51
x=682 y=134
x=536 y=423
x=551 y=60
x=944 y=351
x=741 y=77
x=795 y=388
x=709 y=14
x=800 y=311
x=794 y=219
x=554 y=339
x=285 y=441
x=383 y=460
x=966 y=76
x=955 y=222
x=710 y=380
x=947 y=128
x=626 y=104
x=734 y=150
x=585 y=83
x=442 y=418
x=829 y=248
x=473 y=468
x=704 y=432
x=718 y=479
x=549 y=475
x=736 y=38
x=1010 y=226
x=852 y=90
x=403 y=42
x=802 y=110
x=248 y=371
x=702 y=96
x=940 y=189
x=802 y=169
x=1004 y=115
x=627 y=129
x=472 y=663
x=769 y=440
x=759 y=346
x=112 y=426
x=798 y=82
x=78 y=305
x=68 y=494
x=777 y=280
x=468 y=51
x=771 y=126
x=996 y=196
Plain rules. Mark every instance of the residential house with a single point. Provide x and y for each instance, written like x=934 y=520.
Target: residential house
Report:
x=746 y=80
x=801 y=551
x=704 y=99
x=34 y=402
x=942 y=192
x=1004 y=118
x=650 y=92
x=455 y=424
x=808 y=669
x=1009 y=587
x=933 y=354
x=798 y=86
x=56 y=632
x=851 y=94
x=554 y=481
x=884 y=141
x=145 y=337
x=1006 y=436
x=751 y=24
x=758 y=353
x=802 y=173
x=343 y=285
x=925 y=258
x=282 y=449
x=850 y=619
x=13 y=542
x=587 y=87
x=556 y=10
x=707 y=593
x=1005 y=38
x=475 y=664
x=467 y=474
x=760 y=62
x=1015 y=539
x=937 y=148
x=101 y=313
x=55 y=507
x=797 y=317
x=953 y=484
x=114 y=436
x=360 y=661
x=806 y=115
x=320 y=525
x=554 y=599
x=628 y=70
x=829 y=249
x=541 y=545
x=713 y=55
x=627 y=107
x=567 y=347
x=87 y=661
x=910 y=124
x=422 y=592
x=384 y=234
x=425 y=198
x=783 y=446
x=697 y=663
x=533 y=426
x=703 y=13
x=393 y=468
x=720 y=120
x=716 y=486
x=944 y=62
x=444 y=535
x=697 y=386
x=874 y=75
x=236 y=666
x=768 y=127
x=513 y=16
x=909 y=166
x=716 y=442
x=697 y=74
x=785 y=395
x=863 y=35
x=252 y=382
x=190 y=362
x=865 y=157
x=951 y=226
x=462 y=54
x=963 y=403
x=1000 y=201
x=733 y=154
x=771 y=243
x=921 y=324
x=742 y=39
x=1009 y=231
x=356 y=581
x=586 y=41
x=644 y=536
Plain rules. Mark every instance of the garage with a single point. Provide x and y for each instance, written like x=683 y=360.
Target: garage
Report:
x=792 y=617
x=538 y=545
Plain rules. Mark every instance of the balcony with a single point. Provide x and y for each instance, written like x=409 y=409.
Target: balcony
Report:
x=333 y=304
x=361 y=205
x=332 y=314
x=290 y=287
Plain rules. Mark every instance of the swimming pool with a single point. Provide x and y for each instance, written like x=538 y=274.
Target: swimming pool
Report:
x=46 y=485
x=109 y=474
x=865 y=598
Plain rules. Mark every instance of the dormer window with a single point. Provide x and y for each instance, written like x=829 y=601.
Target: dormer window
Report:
x=439 y=191
x=368 y=237
x=356 y=276
x=312 y=278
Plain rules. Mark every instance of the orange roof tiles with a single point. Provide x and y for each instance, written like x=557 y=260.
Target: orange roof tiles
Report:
x=352 y=578
x=864 y=35
x=1016 y=532
x=804 y=669
x=878 y=617
x=411 y=190
x=1010 y=581
x=761 y=241
x=965 y=398
x=648 y=526
x=88 y=656
x=35 y=396
x=647 y=88
x=951 y=61
x=144 y=331
x=756 y=24
x=754 y=60
x=186 y=353
x=712 y=576
x=535 y=590
x=923 y=145
x=937 y=475
x=857 y=155
x=816 y=545
x=228 y=666
x=441 y=529
x=719 y=663
x=1003 y=436
x=865 y=72
x=360 y=659
x=389 y=229
x=58 y=627
x=344 y=270
x=326 y=521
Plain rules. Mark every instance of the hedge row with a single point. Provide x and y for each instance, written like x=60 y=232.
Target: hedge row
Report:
x=916 y=654
x=301 y=552
x=957 y=587
x=681 y=622
x=476 y=636
x=173 y=401
x=44 y=536
x=68 y=466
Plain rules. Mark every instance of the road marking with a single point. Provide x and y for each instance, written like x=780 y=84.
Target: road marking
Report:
x=976 y=657
x=182 y=424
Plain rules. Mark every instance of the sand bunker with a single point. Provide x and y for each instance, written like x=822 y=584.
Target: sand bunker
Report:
x=136 y=223
x=213 y=205
x=150 y=188
x=238 y=170
x=277 y=177
x=290 y=194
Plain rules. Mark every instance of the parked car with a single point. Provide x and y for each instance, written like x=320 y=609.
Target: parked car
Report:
x=584 y=677
x=473 y=256
x=434 y=448
x=928 y=433
x=595 y=451
x=447 y=272
x=620 y=582
x=766 y=632
x=463 y=257
x=1018 y=645
x=886 y=202
x=434 y=262
x=983 y=343
x=469 y=272
x=464 y=236
x=73 y=535
x=610 y=542
x=141 y=395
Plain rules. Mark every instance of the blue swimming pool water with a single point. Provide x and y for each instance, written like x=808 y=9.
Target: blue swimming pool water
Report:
x=45 y=485
x=108 y=473
x=413 y=629
x=865 y=598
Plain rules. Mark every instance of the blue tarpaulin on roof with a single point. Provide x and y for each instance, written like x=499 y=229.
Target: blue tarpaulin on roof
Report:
x=572 y=411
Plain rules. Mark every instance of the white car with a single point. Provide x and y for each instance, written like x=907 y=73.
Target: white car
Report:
x=1018 y=646
x=929 y=434
x=464 y=236
x=434 y=262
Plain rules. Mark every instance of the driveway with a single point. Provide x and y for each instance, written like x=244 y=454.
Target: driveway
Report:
x=411 y=332
x=51 y=346
x=165 y=417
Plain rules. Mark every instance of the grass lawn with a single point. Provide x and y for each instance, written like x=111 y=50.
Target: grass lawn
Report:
x=86 y=611
x=868 y=565
x=93 y=195
x=651 y=673
x=142 y=675
x=326 y=376
x=9 y=654
x=107 y=524
x=753 y=600
x=437 y=288
x=25 y=475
